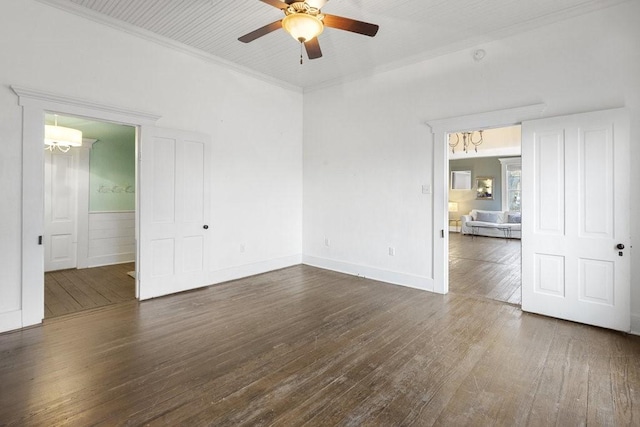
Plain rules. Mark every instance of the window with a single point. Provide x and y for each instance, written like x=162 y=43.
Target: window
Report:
x=511 y=192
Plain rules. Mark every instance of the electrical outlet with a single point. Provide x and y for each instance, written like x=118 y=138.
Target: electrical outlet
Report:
x=392 y=251
x=242 y=248
x=327 y=242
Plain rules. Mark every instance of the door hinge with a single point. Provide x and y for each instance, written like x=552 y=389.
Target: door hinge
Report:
x=40 y=240
x=442 y=233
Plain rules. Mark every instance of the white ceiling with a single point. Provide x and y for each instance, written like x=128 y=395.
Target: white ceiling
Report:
x=410 y=31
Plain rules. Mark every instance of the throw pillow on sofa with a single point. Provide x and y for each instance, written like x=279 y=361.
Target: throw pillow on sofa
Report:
x=487 y=217
x=514 y=218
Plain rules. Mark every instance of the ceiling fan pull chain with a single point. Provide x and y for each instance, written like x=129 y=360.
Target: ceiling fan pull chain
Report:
x=301 y=43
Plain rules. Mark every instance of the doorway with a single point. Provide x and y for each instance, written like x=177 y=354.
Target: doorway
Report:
x=175 y=176
x=484 y=197
x=89 y=216
x=548 y=288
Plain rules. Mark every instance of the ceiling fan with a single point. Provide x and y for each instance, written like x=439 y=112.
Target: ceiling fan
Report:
x=304 y=21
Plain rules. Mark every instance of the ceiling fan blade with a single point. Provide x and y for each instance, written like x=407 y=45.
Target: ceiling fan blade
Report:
x=249 y=37
x=348 y=24
x=313 y=48
x=275 y=3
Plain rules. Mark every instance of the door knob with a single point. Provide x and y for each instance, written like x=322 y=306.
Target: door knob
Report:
x=206 y=227
x=620 y=246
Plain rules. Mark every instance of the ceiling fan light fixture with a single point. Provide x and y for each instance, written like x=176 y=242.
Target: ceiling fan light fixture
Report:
x=302 y=26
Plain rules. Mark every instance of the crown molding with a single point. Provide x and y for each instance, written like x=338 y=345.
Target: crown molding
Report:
x=84 y=12
x=470 y=43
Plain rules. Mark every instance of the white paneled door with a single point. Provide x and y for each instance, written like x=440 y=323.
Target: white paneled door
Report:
x=575 y=213
x=174 y=170
x=60 y=209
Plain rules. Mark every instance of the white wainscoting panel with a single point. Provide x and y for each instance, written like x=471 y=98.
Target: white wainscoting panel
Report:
x=112 y=238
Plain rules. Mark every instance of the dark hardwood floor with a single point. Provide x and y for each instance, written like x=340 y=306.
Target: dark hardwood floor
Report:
x=486 y=267
x=304 y=346
x=70 y=291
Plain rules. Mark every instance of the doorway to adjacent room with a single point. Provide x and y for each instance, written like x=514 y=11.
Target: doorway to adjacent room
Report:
x=484 y=214
x=89 y=215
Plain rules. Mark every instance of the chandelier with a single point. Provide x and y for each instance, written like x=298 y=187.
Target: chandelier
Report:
x=467 y=141
x=61 y=137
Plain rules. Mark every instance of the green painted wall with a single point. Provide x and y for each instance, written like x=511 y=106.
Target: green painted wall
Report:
x=112 y=174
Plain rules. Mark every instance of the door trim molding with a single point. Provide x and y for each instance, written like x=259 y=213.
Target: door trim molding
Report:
x=29 y=96
x=82 y=252
x=439 y=130
x=34 y=104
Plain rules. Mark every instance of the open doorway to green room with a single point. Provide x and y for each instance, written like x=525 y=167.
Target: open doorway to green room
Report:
x=89 y=213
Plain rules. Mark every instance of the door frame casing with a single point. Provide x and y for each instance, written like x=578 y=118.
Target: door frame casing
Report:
x=82 y=255
x=35 y=104
x=440 y=128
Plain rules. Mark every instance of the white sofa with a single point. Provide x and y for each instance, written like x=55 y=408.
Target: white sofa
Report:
x=503 y=224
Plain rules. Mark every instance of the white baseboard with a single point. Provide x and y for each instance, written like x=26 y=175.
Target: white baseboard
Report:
x=635 y=324
x=241 y=271
x=10 y=320
x=393 y=277
x=99 y=261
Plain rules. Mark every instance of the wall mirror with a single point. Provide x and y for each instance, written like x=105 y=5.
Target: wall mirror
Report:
x=484 y=188
x=461 y=180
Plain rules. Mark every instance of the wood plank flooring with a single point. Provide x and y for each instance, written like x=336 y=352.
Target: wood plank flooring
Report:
x=304 y=346
x=70 y=291
x=485 y=267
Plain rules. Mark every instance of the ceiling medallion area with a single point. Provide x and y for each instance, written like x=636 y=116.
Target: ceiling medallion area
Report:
x=303 y=7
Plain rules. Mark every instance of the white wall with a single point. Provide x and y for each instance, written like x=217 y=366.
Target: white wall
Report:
x=257 y=167
x=367 y=151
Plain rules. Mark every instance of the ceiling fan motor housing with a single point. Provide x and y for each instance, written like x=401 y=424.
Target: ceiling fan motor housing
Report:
x=302 y=7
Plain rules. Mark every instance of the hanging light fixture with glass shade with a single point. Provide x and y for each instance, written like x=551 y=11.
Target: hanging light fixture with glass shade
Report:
x=303 y=22
x=61 y=138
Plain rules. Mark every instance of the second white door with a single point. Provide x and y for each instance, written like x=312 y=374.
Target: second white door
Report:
x=575 y=218
x=175 y=238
